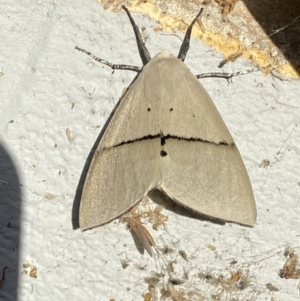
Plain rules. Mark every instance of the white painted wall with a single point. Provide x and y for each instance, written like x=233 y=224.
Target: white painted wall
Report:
x=48 y=87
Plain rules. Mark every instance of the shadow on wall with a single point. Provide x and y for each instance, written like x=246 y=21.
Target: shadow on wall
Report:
x=10 y=213
x=274 y=15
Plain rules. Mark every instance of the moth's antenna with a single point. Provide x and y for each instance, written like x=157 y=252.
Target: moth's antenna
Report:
x=144 y=53
x=186 y=42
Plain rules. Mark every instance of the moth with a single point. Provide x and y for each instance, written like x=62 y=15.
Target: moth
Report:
x=165 y=133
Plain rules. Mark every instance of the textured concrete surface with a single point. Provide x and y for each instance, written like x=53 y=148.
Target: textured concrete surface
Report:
x=54 y=102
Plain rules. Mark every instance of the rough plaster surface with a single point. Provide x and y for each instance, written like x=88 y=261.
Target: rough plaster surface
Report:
x=265 y=32
x=51 y=92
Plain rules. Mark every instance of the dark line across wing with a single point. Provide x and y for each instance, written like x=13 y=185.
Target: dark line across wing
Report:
x=150 y=137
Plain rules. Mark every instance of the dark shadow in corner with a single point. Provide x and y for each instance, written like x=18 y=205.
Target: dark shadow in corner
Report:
x=10 y=214
x=273 y=15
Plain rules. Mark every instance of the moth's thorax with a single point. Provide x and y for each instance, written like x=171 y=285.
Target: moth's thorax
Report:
x=169 y=95
x=164 y=54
